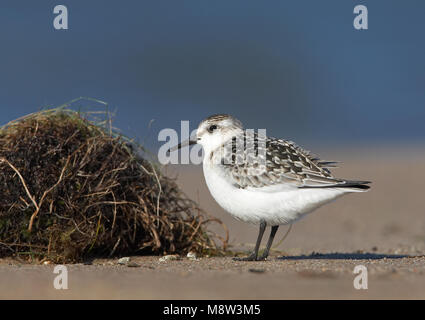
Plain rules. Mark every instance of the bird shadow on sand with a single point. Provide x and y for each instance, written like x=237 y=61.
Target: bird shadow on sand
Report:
x=344 y=256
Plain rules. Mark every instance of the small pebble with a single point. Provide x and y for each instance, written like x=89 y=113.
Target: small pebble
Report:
x=169 y=257
x=124 y=260
x=192 y=256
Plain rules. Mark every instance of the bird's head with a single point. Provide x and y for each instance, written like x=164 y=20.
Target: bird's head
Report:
x=217 y=130
x=213 y=132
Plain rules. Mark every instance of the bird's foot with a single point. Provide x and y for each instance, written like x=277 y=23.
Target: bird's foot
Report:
x=263 y=257
x=251 y=257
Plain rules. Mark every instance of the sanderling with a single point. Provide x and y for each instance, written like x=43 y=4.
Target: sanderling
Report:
x=278 y=185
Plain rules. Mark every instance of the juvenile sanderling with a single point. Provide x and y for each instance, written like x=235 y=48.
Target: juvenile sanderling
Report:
x=274 y=182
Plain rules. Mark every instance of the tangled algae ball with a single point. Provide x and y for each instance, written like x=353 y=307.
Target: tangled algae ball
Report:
x=72 y=190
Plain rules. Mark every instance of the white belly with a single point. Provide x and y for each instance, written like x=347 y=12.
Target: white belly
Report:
x=280 y=206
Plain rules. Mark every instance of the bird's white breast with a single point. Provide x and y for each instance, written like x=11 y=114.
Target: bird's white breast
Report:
x=277 y=205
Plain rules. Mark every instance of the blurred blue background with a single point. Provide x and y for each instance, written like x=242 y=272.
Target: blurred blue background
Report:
x=297 y=68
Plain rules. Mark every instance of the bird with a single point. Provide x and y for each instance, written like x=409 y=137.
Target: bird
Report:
x=262 y=180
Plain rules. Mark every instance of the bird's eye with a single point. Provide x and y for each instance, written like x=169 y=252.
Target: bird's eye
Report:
x=211 y=128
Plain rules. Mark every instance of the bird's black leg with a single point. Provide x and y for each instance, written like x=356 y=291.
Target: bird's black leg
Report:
x=253 y=256
x=269 y=243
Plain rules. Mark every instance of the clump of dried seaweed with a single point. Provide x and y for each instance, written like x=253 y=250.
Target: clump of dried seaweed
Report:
x=71 y=189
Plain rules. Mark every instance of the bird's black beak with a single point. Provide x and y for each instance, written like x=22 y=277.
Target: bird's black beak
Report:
x=188 y=142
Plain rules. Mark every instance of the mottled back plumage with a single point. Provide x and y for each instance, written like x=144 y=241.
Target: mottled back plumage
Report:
x=248 y=164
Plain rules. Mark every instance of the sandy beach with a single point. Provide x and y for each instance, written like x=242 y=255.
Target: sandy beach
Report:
x=383 y=229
